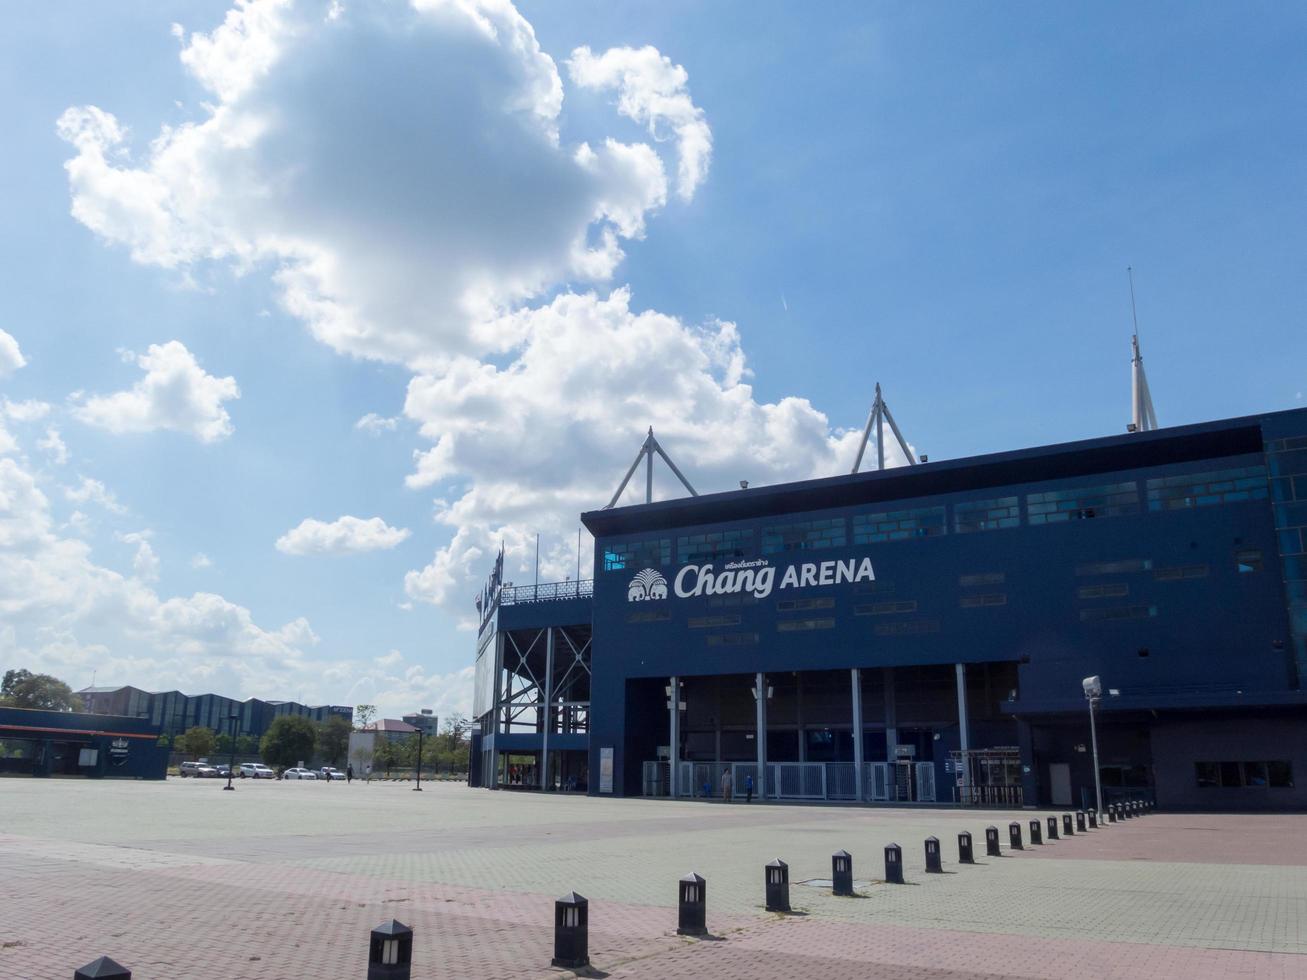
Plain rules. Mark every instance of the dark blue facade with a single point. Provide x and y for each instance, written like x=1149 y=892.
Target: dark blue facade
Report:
x=1170 y=563
x=63 y=743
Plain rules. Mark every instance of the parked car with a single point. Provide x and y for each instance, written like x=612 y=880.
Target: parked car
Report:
x=298 y=773
x=256 y=770
x=329 y=772
x=224 y=770
x=188 y=769
x=205 y=771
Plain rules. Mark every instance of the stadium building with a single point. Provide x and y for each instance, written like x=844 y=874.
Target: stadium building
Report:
x=921 y=633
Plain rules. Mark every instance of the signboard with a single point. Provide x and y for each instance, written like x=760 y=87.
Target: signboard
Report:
x=606 y=769
x=905 y=751
x=88 y=757
x=756 y=576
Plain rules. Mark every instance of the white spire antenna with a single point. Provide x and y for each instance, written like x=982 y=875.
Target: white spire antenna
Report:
x=880 y=414
x=648 y=449
x=1142 y=416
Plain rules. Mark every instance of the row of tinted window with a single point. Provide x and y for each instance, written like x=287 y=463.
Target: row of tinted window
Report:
x=970 y=516
x=1245 y=775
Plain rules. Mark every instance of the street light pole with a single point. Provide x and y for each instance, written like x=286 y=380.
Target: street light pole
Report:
x=233 y=718
x=418 y=787
x=1093 y=688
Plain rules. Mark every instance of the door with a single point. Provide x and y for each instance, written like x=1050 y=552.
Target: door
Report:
x=1059 y=783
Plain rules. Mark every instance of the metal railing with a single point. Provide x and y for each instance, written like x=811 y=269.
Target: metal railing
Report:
x=511 y=595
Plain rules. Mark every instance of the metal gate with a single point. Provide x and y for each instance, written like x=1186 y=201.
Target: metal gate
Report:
x=925 y=782
x=657 y=779
x=841 y=781
x=877 y=781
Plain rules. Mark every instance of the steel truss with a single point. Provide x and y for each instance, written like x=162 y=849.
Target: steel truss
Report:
x=880 y=414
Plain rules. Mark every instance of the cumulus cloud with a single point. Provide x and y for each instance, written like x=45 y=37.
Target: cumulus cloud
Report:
x=652 y=90
x=11 y=358
x=345 y=534
x=53 y=446
x=93 y=491
x=28 y=411
x=397 y=166
x=402 y=173
x=200 y=561
x=373 y=423
x=176 y=393
x=145 y=563
x=64 y=613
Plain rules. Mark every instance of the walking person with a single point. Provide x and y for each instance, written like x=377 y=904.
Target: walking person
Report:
x=748 y=788
x=368 y=773
x=726 y=785
x=349 y=774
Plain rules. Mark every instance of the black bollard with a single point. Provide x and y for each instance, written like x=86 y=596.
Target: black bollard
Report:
x=1052 y=828
x=692 y=906
x=841 y=873
x=571 y=932
x=1036 y=832
x=777 y=877
x=965 y=855
x=1014 y=836
x=1066 y=826
x=103 y=969
x=991 y=842
x=1125 y=811
x=1111 y=813
x=1080 y=821
x=894 y=864
x=934 y=864
x=390 y=952
x=1093 y=819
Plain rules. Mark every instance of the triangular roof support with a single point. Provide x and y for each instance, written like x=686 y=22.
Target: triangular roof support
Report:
x=647 y=450
x=880 y=414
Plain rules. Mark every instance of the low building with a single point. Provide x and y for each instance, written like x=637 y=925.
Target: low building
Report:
x=174 y=712
x=75 y=743
x=425 y=721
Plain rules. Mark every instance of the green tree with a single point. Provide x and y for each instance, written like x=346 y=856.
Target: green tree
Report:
x=333 y=739
x=164 y=741
x=196 y=741
x=364 y=713
x=23 y=689
x=385 y=756
x=289 y=740
x=223 y=744
x=247 y=745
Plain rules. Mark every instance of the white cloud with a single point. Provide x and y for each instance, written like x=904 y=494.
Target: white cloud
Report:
x=652 y=90
x=53 y=446
x=431 y=186
x=175 y=394
x=401 y=172
x=93 y=491
x=67 y=614
x=11 y=358
x=374 y=423
x=28 y=411
x=345 y=534
x=145 y=563
x=200 y=560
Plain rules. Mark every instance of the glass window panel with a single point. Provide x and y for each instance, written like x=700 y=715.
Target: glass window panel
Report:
x=805 y=536
x=1231 y=774
x=986 y=515
x=898 y=525
x=1254 y=774
x=1209 y=774
x=1279 y=774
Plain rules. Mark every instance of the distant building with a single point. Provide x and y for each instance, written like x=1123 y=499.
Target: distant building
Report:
x=391 y=728
x=76 y=743
x=173 y=712
x=424 y=720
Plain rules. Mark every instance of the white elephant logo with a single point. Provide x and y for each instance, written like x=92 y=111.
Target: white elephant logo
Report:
x=648 y=584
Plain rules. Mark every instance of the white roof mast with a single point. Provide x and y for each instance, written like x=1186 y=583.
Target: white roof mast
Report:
x=1142 y=416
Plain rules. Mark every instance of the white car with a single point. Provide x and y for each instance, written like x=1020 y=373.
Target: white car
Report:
x=329 y=773
x=256 y=770
x=298 y=773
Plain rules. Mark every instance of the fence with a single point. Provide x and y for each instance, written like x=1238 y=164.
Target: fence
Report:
x=790 y=780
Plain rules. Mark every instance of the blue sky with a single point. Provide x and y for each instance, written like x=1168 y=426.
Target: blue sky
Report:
x=374 y=210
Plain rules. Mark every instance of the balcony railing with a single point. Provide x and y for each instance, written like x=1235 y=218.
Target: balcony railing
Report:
x=511 y=595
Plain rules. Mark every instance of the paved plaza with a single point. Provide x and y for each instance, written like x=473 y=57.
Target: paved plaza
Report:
x=279 y=880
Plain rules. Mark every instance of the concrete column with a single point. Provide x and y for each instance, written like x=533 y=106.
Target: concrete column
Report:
x=760 y=784
x=857 y=733
x=544 y=713
x=964 y=731
x=674 y=756
x=891 y=716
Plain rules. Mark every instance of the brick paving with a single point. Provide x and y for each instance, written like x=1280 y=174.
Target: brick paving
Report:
x=283 y=880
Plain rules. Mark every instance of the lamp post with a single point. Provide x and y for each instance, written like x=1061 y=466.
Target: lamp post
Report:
x=231 y=764
x=418 y=787
x=1093 y=694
